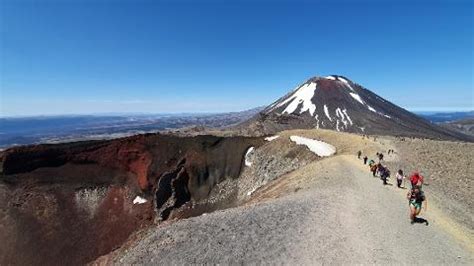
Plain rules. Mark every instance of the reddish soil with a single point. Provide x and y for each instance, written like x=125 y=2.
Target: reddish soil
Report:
x=71 y=203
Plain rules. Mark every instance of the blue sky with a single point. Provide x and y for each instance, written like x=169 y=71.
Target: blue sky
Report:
x=65 y=57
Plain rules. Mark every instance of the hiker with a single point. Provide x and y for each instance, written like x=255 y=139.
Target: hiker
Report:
x=416 y=180
x=371 y=162
x=379 y=168
x=365 y=159
x=416 y=197
x=384 y=174
x=373 y=169
x=359 y=153
x=380 y=157
x=399 y=177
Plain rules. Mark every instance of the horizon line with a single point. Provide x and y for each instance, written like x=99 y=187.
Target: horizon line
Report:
x=413 y=110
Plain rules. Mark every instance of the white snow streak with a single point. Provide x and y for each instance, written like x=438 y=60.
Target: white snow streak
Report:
x=139 y=200
x=303 y=95
x=371 y=109
x=317 y=121
x=343 y=80
x=251 y=191
x=337 y=125
x=320 y=148
x=387 y=116
x=326 y=111
x=348 y=117
x=341 y=115
x=277 y=104
x=331 y=77
x=247 y=154
x=357 y=97
x=272 y=138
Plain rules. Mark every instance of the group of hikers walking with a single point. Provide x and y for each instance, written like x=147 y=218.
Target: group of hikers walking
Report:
x=415 y=196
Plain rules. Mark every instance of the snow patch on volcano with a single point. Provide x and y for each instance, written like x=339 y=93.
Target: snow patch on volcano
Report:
x=357 y=97
x=302 y=96
x=326 y=111
x=272 y=138
x=342 y=116
x=347 y=116
x=343 y=80
x=139 y=200
x=320 y=148
x=247 y=155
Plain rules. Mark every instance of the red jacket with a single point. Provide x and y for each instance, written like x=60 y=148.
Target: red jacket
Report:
x=416 y=179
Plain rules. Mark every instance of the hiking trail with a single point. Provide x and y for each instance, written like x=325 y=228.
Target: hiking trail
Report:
x=340 y=214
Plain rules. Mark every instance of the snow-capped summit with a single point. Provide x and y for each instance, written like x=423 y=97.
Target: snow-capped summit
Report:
x=335 y=102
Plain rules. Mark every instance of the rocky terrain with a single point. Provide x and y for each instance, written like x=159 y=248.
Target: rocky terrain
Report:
x=448 y=170
x=330 y=210
x=70 y=203
x=212 y=199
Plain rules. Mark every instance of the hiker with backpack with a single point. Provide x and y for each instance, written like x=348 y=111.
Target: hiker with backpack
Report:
x=384 y=174
x=359 y=153
x=365 y=159
x=379 y=168
x=416 y=197
x=380 y=157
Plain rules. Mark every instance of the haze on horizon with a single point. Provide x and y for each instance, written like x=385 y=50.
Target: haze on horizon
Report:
x=83 y=57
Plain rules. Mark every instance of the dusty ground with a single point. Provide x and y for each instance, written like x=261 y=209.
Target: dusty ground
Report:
x=448 y=170
x=359 y=222
x=328 y=211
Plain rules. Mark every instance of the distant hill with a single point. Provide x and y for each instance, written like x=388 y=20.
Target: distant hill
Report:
x=52 y=129
x=439 y=117
x=465 y=125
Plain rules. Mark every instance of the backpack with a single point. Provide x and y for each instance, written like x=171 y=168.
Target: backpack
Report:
x=418 y=197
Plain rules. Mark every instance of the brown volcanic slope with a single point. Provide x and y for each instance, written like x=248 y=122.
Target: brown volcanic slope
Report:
x=70 y=203
x=335 y=102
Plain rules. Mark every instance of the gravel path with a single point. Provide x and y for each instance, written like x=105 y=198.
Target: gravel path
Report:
x=350 y=220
